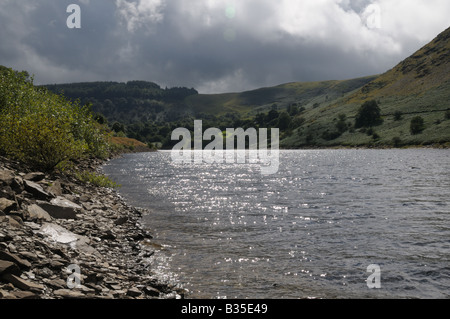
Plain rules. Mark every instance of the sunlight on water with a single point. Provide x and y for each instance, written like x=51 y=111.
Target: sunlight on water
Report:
x=309 y=231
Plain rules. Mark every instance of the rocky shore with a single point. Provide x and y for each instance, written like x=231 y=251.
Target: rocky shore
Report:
x=61 y=238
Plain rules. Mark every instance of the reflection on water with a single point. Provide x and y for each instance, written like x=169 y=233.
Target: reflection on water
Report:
x=309 y=231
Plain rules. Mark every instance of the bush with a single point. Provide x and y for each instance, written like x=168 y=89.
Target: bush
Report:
x=97 y=180
x=397 y=141
x=417 y=125
x=376 y=136
x=330 y=136
x=398 y=116
x=284 y=120
x=368 y=115
x=341 y=124
x=447 y=115
x=42 y=129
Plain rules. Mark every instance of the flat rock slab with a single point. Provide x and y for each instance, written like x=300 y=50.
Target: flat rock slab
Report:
x=8 y=267
x=34 y=177
x=24 y=295
x=61 y=235
x=21 y=283
x=69 y=294
x=4 y=255
x=36 y=190
x=61 y=208
x=6 y=177
x=7 y=205
x=37 y=213
x=58 y=234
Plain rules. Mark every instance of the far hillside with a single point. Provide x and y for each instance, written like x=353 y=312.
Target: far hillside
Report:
x=417 y=88
x=407 y=105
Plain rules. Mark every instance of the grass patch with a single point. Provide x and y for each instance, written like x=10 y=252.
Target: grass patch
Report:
x=96 y=179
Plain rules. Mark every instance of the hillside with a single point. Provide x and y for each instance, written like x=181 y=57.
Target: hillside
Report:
x=309 y=114
x=305 y=94
x=417 y=86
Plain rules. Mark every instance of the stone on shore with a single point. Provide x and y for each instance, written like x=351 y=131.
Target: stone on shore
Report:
x=50 y=223
x=36 y=190
x=34 y=177
x=61 y=208
x=7 y=205
x=6 y=177
x=22 y=283
x=134 y=292
x=8 y=267
x=24 y=264
x=37 y=213
x=69 y=294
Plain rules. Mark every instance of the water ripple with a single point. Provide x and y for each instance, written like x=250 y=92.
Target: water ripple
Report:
x=309 y=231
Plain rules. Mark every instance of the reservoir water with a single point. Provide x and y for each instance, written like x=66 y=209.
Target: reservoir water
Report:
x=309 y=231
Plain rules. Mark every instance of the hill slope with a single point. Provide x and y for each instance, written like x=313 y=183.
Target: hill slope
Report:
x=304 y=94
x=325 y=111
x=417 y=86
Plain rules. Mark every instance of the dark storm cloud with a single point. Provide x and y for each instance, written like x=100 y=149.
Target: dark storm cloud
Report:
x=214 y=45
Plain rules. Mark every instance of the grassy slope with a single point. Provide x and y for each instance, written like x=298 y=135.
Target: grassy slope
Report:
x=305 y=94
x=419 y=85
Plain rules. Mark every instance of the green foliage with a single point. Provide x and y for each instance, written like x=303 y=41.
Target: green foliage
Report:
x=369 y=115
x=447 y=115
x=398 y=116
x=96 y=179
x=329 y=136
x=341 y=125
x=375 y=136
x=284 y=120
x=397 y=141
x=417 y=125
x=42 y=129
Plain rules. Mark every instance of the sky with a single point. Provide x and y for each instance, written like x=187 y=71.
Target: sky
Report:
x=214 y=46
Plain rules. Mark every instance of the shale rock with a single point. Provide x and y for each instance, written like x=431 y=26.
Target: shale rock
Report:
x=36 y=213
x=6 y=177
x=34 y=177
x=61 y=208
x=55 y=229
x=7 y=205
x=36 y=190
x=7 y=267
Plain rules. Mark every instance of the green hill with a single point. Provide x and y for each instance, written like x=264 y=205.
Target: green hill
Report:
x=309 y=114
x=304 y=94
x=418 y=86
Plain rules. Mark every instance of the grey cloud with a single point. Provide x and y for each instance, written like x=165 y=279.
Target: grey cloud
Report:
x=214 y=46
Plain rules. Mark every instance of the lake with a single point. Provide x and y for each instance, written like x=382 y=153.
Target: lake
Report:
x=309 y=231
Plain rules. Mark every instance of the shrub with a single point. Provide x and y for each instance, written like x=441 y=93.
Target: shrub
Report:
x=284 y=120
x=341 y=124
x=397 y=141
x=398 y=116
x=330 y=136
x=376 y=136
x=42 y=129
x=417 y=125
x=96 y=179
x=447 y=115
x=368 y=115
